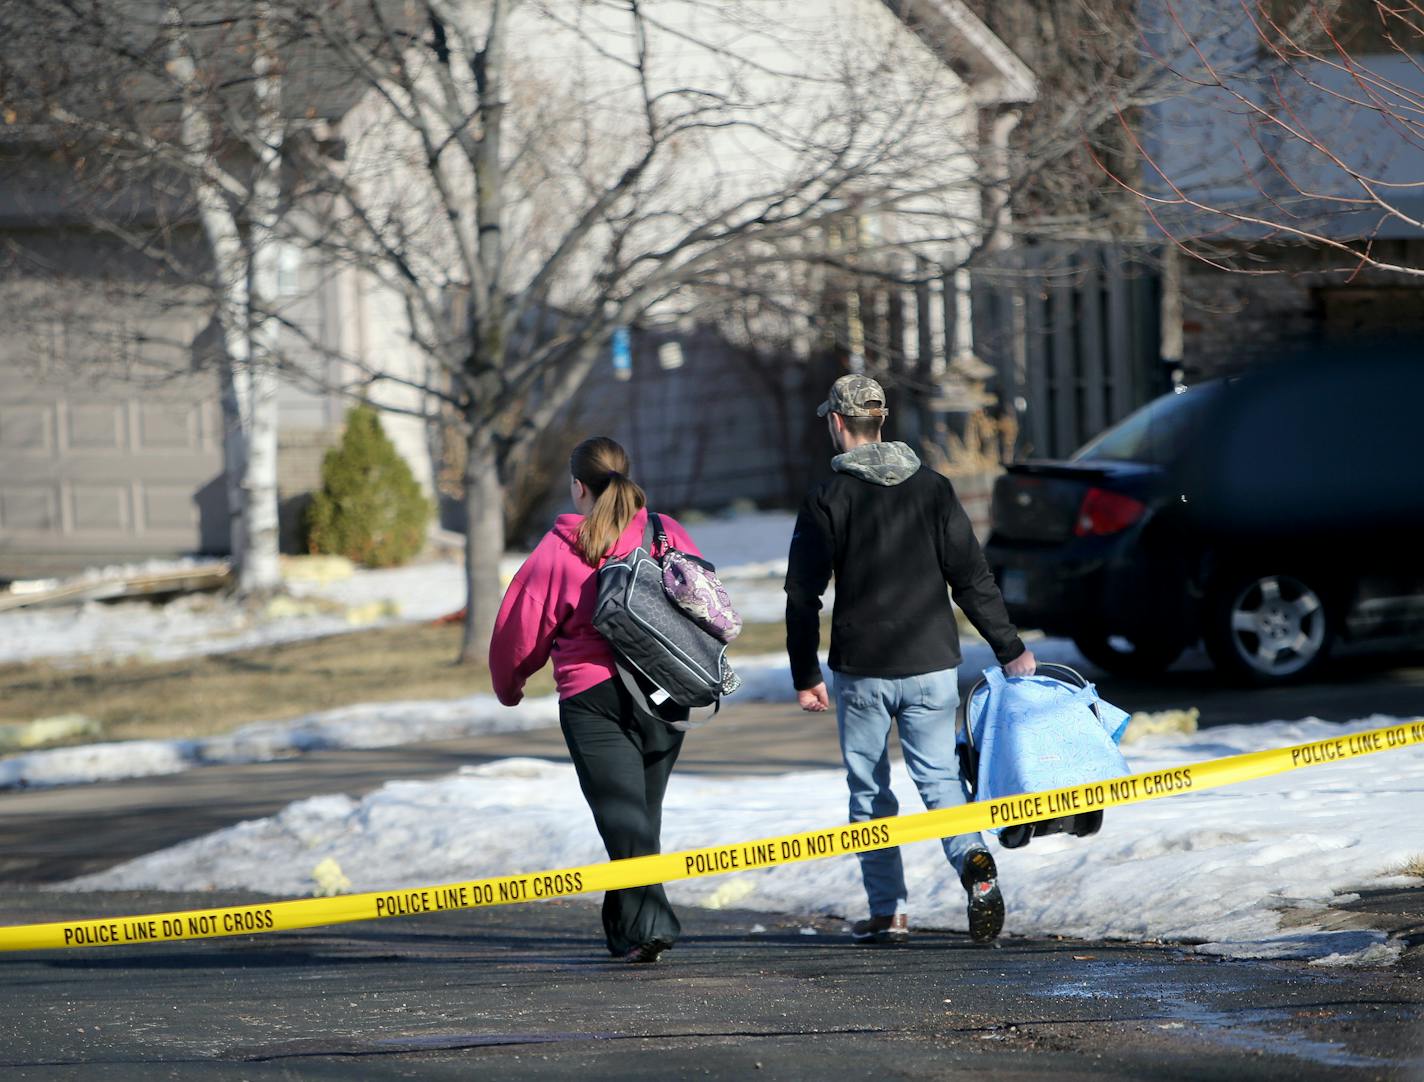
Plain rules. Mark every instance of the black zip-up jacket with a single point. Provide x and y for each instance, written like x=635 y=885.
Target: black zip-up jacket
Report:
x=892 y=545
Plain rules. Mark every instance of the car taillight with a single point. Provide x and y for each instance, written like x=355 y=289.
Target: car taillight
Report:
x=1105 y=512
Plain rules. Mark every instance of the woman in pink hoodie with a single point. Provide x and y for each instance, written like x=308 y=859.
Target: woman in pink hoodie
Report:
x=622 y=754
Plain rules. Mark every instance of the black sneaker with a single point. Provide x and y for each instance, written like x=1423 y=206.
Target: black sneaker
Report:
x=644 y=953
x=980 y=879
x=883 y=931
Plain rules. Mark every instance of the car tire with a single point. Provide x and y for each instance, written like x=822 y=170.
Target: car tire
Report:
x=1145 y=658
x=1265 y=628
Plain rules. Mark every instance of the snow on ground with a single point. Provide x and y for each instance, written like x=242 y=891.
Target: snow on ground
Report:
x=1211 y=868
x=749 y=549
x=203 y=624
x=766 y=678
x=366 y=725
x=754 y=542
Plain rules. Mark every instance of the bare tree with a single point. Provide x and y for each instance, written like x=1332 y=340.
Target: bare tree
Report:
x=517 y=179
x=639 y=153
x=167 y=112
x=1303 y=123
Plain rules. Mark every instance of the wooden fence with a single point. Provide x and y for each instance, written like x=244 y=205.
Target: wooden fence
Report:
x=1073 y=333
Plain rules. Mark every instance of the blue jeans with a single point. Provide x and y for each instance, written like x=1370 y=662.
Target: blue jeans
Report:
x=924 y=708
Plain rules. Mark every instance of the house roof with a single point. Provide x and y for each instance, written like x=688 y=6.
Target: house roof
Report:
x=994 y=74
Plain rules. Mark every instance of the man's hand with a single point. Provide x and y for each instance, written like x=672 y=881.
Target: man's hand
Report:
x=1023 y=665
x=814 y=700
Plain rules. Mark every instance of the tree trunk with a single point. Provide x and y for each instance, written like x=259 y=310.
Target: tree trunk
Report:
x=484 y=542
x=249 y=389
x=249 y=405
x=234 y=465
x=260 y=572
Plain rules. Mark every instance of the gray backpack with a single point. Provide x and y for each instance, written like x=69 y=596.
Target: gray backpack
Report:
x=665 y=660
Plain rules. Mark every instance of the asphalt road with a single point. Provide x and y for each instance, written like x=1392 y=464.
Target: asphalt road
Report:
x=1351 y=686
x=526 y=992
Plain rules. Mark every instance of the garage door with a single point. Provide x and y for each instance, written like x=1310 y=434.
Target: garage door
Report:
x=106 y=473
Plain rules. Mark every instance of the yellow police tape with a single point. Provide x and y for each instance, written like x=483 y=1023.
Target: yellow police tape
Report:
x=710 y=860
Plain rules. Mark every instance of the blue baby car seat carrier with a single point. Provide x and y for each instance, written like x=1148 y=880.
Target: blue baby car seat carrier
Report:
x=1045 y=731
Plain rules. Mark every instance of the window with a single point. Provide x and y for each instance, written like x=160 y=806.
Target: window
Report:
x=289 y=265
x=1157 y=433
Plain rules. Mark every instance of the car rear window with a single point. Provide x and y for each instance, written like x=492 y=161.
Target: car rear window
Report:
x=1157 y=433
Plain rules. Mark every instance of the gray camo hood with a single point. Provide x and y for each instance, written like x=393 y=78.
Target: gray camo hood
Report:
x=879 y=463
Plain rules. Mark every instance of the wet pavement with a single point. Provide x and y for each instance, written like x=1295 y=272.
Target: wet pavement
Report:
x=527 y=992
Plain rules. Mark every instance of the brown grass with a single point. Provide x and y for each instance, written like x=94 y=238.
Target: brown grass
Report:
x=210 y=695
x=1414 y=867
x=986 y=445
x=203 y=696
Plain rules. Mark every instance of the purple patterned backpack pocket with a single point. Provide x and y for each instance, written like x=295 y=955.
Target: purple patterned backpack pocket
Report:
x=695 y=589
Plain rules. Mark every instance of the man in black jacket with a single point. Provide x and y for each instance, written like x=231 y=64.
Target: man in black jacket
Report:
x=893 y=534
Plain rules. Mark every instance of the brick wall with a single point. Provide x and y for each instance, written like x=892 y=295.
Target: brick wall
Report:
x=1232 y=320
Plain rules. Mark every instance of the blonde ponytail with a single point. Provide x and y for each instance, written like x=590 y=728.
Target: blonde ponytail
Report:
x=602 y=465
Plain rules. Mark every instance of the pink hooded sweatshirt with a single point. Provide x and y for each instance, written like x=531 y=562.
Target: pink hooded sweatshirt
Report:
x=548 y=612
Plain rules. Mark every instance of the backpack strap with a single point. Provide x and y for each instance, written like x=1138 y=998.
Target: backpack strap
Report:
x=659 y=535
x=667 y=711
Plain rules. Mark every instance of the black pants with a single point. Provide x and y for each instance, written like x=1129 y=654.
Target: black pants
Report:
x=624 y=757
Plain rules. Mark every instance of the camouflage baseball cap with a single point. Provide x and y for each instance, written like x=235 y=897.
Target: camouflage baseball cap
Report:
x=855 y=396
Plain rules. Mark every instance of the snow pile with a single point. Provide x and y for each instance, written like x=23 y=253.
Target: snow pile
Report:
x=765 y=678
x=748 y=549
x=1211 y=868
x=366 y=725
x=203 y=624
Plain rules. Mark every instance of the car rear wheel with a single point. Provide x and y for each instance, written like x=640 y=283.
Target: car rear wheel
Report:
x=1127 y=658
x=1268 y=629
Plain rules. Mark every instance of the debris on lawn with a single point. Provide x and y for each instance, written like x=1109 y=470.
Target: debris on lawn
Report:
x=330 y=879
x=287 y=607
x=112 y=584
x=42 y=732
x=318 y=569
x=372 y=612
x=1146 y=723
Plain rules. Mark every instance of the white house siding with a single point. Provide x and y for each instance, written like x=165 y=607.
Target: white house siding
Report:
x=338 y=320
x=1215 y=147
x=801 y=68
x=793 y=61
x=377 y=333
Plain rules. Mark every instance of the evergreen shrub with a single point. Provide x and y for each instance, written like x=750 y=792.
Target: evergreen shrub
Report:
x=369 y=508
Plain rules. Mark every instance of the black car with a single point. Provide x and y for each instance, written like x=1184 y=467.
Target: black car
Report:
x=1269 y=515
